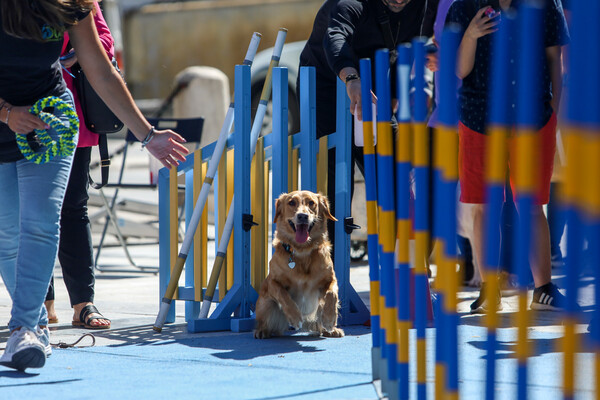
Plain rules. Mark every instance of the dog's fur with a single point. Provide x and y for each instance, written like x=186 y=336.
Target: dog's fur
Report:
x=304 y=296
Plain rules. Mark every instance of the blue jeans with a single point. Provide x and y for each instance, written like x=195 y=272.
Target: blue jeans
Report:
x=31 y=196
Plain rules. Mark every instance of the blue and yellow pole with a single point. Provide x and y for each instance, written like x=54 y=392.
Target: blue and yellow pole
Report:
x=371 y=194
x=421 y=217
x=582 y=186
x=446 y=176
x=496 y=178
x=403 y=222
x=528 y=108
x=387 y=219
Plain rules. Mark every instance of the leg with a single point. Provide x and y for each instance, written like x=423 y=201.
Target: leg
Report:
x=9 y=223
x=556 y=223
x=275 y=310
x=41 y=192
x=539 y=259
x=472 y=150
x=75 y=247
x=49 y=303
x=329 y=313
x=270 y=320
x=477 y=239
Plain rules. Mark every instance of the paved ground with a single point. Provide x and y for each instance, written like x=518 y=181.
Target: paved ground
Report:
x=131 y=360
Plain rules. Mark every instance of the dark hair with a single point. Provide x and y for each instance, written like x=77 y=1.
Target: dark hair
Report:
x=22 y=18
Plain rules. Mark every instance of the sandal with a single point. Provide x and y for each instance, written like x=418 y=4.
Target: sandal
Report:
x=85 y=319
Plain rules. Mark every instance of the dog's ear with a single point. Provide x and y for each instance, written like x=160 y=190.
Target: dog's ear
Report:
x=278 y=205
x=325 y=207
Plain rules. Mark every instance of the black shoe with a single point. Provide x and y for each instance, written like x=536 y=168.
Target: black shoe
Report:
x=548 y=298
x=480 y=305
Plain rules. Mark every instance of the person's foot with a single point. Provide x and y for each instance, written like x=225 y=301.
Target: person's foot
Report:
x=93 y=319
x=548 y=298
x=480 y=305
x=52 y=317
x=23 y=350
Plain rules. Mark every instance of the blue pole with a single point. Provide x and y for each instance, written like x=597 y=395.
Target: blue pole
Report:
x=387 y=237
x=402 y=267
x=371 y=195
x=499 y=111
x=528 y=109
x=308 y=126
x=445 y=209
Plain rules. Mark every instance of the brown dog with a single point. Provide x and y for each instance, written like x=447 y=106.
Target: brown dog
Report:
x=301 y=289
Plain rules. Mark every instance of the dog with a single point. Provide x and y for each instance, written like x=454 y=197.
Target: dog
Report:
x=301 y=289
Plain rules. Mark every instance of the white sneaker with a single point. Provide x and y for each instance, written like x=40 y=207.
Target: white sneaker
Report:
x=44 y=337
x=23 y=350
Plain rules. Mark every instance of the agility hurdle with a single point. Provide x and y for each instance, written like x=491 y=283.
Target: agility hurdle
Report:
x=274 y=154
x=582 y=201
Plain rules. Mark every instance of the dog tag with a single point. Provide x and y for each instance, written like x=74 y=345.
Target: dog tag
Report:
x=291 y=264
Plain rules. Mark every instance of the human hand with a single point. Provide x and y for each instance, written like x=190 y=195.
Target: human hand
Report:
x=20 y=120
x=482 y=25
x=166 y=147
x=432 y=62
x=354 y=93
x=69 y=59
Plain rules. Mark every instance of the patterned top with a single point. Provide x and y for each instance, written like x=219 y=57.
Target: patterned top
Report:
x=473 y=95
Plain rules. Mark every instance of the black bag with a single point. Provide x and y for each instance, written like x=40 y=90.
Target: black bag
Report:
x=98 y=118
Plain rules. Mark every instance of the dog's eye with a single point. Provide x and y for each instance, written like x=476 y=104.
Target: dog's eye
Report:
x=311 y=203
x=292 y=203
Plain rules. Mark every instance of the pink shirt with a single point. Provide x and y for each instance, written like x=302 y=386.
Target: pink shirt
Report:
x=86 y=137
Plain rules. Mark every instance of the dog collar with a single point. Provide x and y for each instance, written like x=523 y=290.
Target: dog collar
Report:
x=288 y=248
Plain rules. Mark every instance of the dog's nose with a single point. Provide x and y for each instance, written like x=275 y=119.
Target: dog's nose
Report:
x=302 y=218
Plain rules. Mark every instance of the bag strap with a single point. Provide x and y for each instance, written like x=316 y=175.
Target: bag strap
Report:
x=104 y=163
x=386 y=29
x=384 y=24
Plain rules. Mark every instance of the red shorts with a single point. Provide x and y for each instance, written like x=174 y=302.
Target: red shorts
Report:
x=472 y=167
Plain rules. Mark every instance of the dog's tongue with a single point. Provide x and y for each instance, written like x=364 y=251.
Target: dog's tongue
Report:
x=301 y=233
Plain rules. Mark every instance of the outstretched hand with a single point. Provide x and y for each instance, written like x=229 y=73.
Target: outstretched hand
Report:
x=166 y=146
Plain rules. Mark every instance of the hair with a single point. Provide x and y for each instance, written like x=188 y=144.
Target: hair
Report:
x=21 y=18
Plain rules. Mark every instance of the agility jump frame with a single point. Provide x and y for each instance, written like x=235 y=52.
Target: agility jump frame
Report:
x=285 y=159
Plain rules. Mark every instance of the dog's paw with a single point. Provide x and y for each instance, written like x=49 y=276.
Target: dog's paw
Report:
x=295 y=321
x=261 y=334
x=335 y=332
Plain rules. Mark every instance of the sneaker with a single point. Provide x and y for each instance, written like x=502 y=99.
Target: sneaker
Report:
x=548 y=298
x=44 y=337
x=23 y=350
x=480 y=306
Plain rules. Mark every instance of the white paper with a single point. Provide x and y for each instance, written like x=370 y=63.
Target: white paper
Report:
x=359 y=139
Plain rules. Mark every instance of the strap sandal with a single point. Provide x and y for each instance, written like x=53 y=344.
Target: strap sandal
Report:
x=85 y=318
